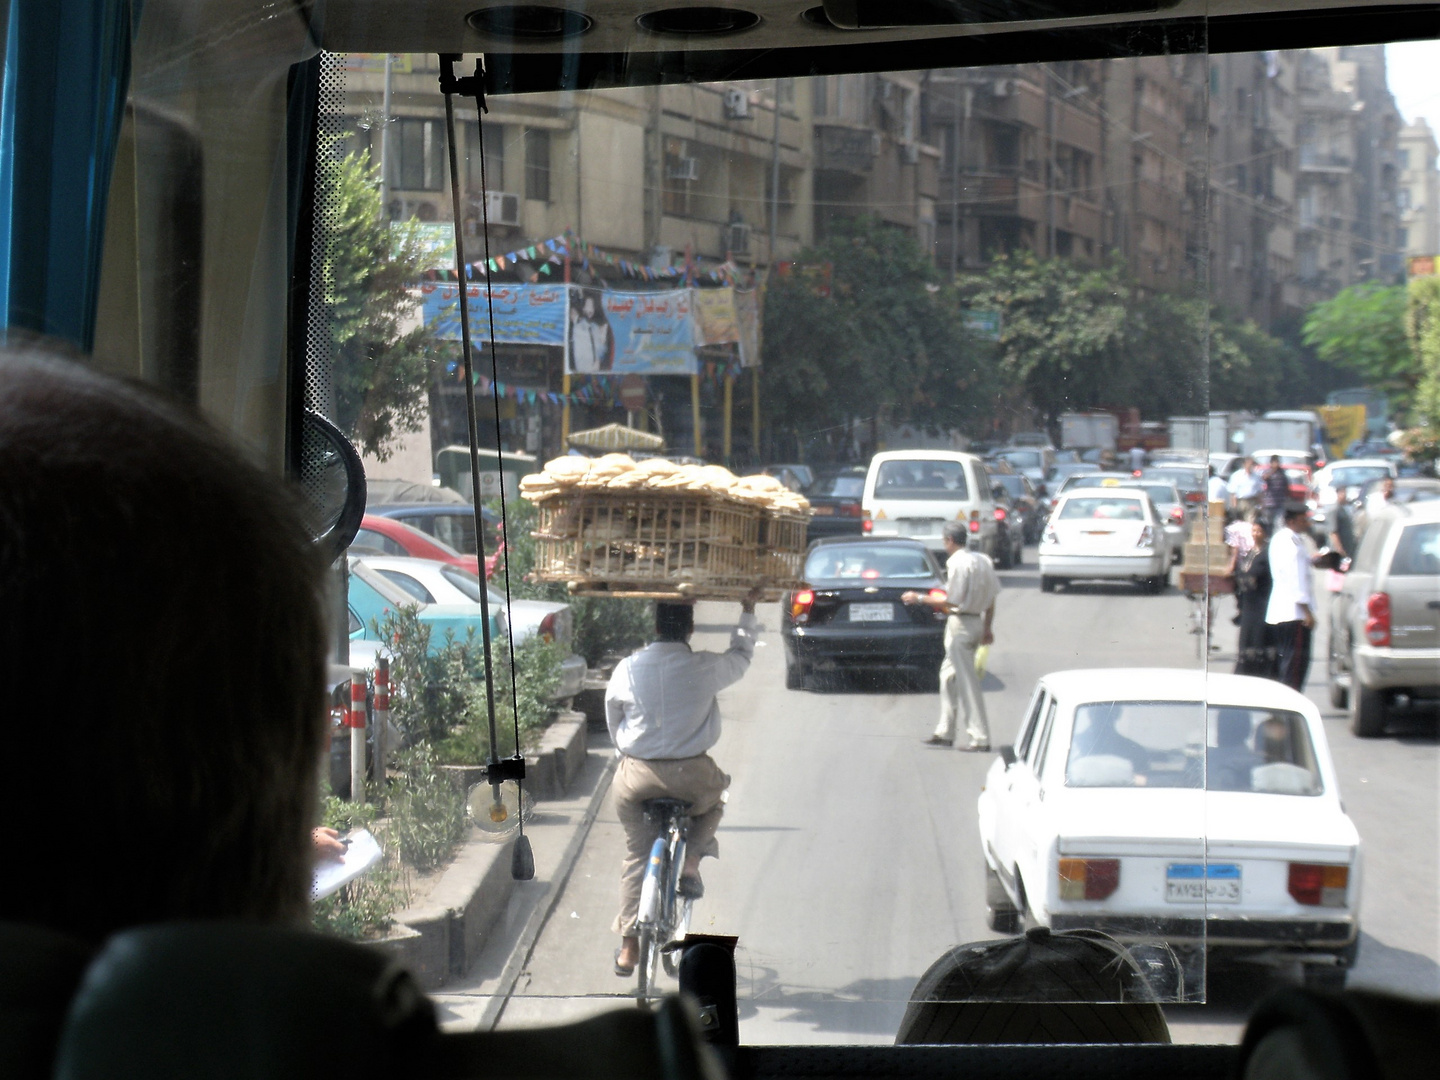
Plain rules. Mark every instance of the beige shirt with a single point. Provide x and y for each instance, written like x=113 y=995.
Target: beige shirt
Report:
x=971 y=584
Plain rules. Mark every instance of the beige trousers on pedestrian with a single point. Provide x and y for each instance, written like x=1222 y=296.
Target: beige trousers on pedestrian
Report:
x=960 y=695
x=697 y=780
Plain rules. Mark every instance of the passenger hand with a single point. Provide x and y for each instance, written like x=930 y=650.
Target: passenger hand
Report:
x=747 y=605
x=327 y=843
x=987 y=638
x=909 y=596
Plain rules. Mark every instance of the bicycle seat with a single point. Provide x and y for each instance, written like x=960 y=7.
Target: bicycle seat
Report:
x=664 y=807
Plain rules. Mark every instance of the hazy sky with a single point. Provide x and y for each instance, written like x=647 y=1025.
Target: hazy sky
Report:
x=1413 y=70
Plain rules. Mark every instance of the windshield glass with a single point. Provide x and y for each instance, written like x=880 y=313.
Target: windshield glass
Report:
x=675 y=278
x=940 y=480
x=1158 y=744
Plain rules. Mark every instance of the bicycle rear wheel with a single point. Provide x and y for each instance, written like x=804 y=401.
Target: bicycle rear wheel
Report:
x=649 y=964
x=671 y=957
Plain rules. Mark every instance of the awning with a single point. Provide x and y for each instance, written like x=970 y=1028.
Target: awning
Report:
x=616 y=437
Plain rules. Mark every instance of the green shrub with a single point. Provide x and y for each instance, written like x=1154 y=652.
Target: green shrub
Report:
x=427 y=813
x=365 y=908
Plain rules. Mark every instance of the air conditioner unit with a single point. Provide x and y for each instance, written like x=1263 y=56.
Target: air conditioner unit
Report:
x=737 y=104
x=685 y=168
x=1003 y=87
x=737 y=238
x=502 y=207
x=910 y=153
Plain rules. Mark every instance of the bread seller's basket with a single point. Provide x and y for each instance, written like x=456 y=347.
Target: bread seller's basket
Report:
x=666 y=545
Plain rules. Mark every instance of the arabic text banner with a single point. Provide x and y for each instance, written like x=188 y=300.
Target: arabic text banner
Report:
x=524 y=314
x=650 y=333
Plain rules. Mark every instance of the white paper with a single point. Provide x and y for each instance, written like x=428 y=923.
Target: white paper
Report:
x=332 y=874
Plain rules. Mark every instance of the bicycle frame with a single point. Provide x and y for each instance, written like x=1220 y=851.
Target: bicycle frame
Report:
x=662 y=910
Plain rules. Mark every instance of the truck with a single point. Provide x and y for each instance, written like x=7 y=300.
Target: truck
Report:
x=1088 y=431
x=1278 y=434
x=1188 y=432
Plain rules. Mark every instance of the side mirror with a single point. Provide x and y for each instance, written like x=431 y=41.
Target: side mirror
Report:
x=1007 y=755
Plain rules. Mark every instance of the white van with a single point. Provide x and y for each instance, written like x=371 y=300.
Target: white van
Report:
x=914 y=493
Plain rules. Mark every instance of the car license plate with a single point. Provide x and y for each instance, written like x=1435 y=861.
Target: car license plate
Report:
x=822 y=511
x=872 y=612
x=1198 y=883
x=921 y=526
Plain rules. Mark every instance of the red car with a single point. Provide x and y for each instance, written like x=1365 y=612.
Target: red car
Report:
x=386 y=536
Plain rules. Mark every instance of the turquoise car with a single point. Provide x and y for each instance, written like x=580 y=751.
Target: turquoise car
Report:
x=373 y=596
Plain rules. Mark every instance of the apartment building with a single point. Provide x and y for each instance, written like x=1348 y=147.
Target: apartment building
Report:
x=1419 y=193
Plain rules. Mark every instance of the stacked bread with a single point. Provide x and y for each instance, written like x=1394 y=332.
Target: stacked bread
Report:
x=619 y=473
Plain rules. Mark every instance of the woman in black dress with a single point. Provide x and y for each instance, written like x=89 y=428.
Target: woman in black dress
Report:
x=1257 y=654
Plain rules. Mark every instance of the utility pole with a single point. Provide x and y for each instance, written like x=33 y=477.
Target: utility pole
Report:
x=955 y=175
x=385 y=144
x=774 y=182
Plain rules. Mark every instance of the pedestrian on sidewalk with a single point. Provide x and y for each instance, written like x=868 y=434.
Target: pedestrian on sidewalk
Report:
x=662 y=714
x=1291 y=611
x=971 y=589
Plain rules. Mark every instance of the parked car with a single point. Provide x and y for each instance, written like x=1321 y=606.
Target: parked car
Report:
x=381 y=535
x=372 y=596
x=914 y=493
x=1106 y=534
x=1177 y=807
x=450 y=523
x=835 y=499
x=848 y=614
x=1027 y=502
x=1385 y=621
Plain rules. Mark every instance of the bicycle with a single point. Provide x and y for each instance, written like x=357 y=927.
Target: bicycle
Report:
x=664 y=914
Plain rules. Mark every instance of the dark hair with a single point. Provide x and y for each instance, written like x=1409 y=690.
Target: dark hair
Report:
x=1274 y=459
x=165 y=632
x=674 y=622
x=1295 y=510
x=956 y=533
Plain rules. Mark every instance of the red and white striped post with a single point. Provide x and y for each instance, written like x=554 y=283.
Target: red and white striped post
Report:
x=382 y=717
x=356 y=723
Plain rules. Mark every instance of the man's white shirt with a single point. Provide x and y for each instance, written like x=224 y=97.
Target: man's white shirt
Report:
x=1290 y=571
x=1244 y=485
x=661 y=700
x=971 y=584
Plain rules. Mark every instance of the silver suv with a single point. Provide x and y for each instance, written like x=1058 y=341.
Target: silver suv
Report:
x=1385 y=622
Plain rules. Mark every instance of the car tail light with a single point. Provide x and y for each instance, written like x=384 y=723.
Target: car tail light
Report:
x=800 y=604
x=974 y=520
x=1319 y=885
x=1000 y=514
x=1377 y=625
x=850 y=509
x=1194 y=496
x=867 y=525
x=1135 y=473
x=1088 y=879
x=939 y=596
x=1177 y=515
x=547 y=627
x=1147 y=538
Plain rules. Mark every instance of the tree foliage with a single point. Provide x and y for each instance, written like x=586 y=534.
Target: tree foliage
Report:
x=381 y=375
x=1363 y=328
x=887 y=340
x=1422 y=326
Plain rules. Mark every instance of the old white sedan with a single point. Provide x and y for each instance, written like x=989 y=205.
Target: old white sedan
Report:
x=1107 y=533
x=1171 y=807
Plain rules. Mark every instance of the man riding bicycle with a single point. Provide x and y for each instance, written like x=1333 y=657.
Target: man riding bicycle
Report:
x=663 y=717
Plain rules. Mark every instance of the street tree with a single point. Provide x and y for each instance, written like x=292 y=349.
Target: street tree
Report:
x=1363 y=328
x=381 y=373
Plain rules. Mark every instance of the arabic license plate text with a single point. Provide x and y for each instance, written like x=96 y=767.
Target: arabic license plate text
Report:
x=1198 y=883
x=872 y=613
x=822 y=511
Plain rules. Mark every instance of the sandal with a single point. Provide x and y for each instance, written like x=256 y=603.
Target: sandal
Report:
x=691 y=887
x=620 y=969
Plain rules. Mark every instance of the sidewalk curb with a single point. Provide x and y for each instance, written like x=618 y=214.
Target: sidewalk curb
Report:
x=520 y=954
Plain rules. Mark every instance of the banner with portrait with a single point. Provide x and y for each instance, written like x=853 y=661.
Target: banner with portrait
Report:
x=715 y=318
x=649 y=333
x=747 y=318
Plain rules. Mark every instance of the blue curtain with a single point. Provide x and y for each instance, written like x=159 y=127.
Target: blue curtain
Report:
x=67 y=72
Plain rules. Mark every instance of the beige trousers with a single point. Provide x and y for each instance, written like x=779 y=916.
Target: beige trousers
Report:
x=697 y=780
x=960 y=694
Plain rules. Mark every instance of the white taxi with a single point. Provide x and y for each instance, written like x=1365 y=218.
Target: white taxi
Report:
x=1170 y=807
x=1105 y=533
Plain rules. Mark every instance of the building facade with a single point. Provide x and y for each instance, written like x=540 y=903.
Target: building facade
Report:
x=1419 y=192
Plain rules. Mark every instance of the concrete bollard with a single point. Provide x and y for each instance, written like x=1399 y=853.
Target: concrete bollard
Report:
x=357 y=738
x=382 y=717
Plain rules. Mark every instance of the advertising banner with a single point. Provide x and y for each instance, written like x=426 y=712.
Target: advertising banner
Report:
x=715 y=316
x=524 y=314
x=747 y=312
x=651 y=333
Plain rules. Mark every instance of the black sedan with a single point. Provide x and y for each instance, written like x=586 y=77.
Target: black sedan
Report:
x=835 y=503
x=849 y=616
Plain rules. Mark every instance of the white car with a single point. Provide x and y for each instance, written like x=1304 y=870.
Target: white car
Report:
x=433 y=582
x=1334 y=478
x=916 y=493
x=1162 y=806
x=1107 y=533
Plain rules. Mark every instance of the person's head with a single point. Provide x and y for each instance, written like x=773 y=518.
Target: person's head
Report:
x=1297 y=516
x=955 y=536
x=1259 y=531
x=1274 y=461
x=1272 y=739
x=1248 y=465
x=674 y=622
x=164 y=616
x=1232 y=727
x=1387 y=487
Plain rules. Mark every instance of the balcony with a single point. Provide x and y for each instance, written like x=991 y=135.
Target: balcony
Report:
x=1313 y=160
x=995 y=194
